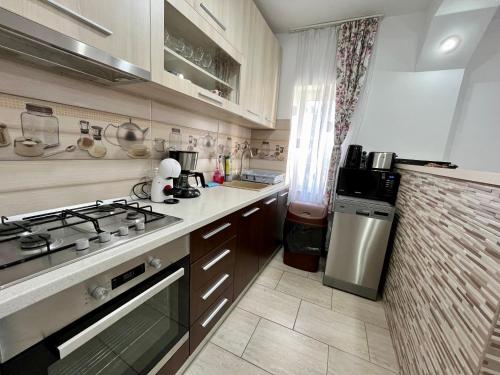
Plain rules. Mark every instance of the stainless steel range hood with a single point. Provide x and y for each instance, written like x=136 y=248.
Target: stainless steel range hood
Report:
x=24 y=40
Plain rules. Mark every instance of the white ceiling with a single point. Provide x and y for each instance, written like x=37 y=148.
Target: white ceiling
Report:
x=283 y=15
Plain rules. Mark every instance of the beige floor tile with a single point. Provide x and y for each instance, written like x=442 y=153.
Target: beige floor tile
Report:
x=318 y=276
x=360 y=308
x=381 y=348
x=283 y=351
x=278 y=263
x=332 y=328
x=307 y=289
x=269 y=277
x=234 y=334
x=342 y=363
x=217 y=361
x=270 y=304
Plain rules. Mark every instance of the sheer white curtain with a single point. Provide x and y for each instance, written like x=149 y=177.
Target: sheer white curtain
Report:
x=312 y=125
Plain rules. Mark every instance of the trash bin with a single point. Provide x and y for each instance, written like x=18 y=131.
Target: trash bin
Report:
x=304 y=235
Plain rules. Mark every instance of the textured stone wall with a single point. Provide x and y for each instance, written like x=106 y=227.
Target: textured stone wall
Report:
x=443 y=288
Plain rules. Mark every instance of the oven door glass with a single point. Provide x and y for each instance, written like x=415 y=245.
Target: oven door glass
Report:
x=131 y=334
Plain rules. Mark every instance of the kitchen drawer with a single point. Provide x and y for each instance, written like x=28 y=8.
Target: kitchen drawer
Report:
x=211 y=236
x=207 y=321
x=203 y=298
x=216 y=262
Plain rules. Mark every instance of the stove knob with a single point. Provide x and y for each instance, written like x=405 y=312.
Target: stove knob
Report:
x=123 y=231
x=82 y=244
x=100 y=293
x=140 y=226
x=104 y=237
x=155 y=263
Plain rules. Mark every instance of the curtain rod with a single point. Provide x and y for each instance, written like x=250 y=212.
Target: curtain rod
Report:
x=331 y=23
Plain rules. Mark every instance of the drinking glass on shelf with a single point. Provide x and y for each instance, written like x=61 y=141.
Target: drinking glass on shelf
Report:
x=206 y=60
x=178 y=44
x=167 y=39
x=198 y=56
x=188 y=51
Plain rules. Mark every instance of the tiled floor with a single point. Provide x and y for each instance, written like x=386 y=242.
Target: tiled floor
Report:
x=288 y=322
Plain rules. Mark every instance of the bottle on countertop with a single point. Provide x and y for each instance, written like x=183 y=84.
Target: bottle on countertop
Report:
x=364 y=159
x=227 y=168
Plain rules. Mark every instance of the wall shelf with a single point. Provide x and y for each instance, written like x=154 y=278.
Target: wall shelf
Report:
x=179 y=64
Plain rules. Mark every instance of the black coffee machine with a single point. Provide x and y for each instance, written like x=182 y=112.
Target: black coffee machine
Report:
x=188 y=161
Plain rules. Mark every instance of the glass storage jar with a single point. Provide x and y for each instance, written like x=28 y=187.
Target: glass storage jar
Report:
x=39 y=122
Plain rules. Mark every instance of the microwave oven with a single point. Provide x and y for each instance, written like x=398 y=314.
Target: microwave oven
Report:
x=368 y=184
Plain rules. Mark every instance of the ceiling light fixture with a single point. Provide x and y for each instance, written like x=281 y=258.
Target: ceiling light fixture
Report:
x=449 y=44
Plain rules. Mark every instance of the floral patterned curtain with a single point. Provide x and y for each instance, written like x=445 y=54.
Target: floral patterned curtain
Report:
x=355 y=40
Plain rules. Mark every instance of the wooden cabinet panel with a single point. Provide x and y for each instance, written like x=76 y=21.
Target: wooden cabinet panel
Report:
x=270 y=241
x=282 y=210
x=272 y=66
x=211 y=236
x=207 y=320
x=249 y=241
x=121 y=27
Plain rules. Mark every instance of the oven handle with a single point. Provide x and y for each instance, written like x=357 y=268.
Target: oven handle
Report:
x=90 y=332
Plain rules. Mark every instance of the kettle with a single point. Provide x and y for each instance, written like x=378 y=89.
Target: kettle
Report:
x=127 y=134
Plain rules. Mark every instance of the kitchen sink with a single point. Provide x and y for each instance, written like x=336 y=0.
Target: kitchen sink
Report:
x=248 y=185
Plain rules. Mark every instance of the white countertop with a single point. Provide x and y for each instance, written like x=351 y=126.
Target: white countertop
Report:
x=490 y=178
x=213 y=204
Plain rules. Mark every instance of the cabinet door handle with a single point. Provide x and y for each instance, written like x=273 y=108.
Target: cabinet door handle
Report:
x=284 y=194
x=215 y=231
x=214 y=312
x=253 y=113
x=78 y=17
x=270 y=201
x=212 y=16
x=217 y=259
x=214 y=287
x=205 y=96
x=251 y=212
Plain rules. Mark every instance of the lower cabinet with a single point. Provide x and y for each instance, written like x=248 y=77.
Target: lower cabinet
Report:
x=225 y=257
x=270 y=229
x=249 y=229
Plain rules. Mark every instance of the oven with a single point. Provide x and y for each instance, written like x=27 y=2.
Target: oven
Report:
x=131 y=320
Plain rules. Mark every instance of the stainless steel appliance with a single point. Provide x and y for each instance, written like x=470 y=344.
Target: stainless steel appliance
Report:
x=381 y=161
x=369 y=184
x=263 y=176
x=24 y=40
x=188 y=161
x=39 y=243
x=358 y=246
x=353 y=158
x=130 y=319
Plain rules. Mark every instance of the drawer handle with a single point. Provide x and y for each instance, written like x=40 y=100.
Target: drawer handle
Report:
x=270 y=201
x=284 y=194
x=217 y=259
x=214 y=287
x=251 y=212
x=205 y=96
x=215 y=231
x=79 y=17
x=213 y=313
x=212 y=16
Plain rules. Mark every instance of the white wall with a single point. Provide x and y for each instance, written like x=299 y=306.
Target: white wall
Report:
x=475 y=137
x=404 y=111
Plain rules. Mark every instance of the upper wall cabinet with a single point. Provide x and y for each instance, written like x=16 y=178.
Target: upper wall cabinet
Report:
x=118 y=27
x=272 y=62
x=192 y=58
x=225 y=16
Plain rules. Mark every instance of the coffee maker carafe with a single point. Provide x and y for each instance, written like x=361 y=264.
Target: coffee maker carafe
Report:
x=188 y=161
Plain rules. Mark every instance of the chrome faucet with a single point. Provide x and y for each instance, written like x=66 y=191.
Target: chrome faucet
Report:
x=247 y=150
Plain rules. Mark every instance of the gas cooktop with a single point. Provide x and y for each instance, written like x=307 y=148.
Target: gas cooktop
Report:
x=39 y=243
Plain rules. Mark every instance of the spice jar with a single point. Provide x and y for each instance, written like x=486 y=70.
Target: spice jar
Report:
x=85 y=141
x=39 y=122
x=97 y=150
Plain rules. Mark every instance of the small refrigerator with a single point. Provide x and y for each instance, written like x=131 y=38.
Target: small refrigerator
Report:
x=358 y=250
